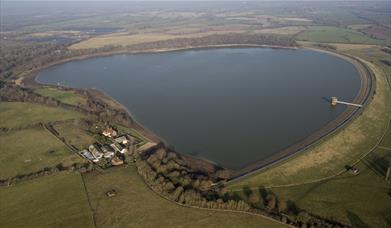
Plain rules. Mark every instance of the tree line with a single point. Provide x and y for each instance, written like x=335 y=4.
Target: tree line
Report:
x=218 y=39
x=79 y=167
x=169 y=174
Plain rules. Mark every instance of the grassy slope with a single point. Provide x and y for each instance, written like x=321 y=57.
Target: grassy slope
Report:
x=137 y=206
x=67 y=97
x=335 y=35
x=29 y=150
x=52 y=201
x=349 y=199
x=18 y=114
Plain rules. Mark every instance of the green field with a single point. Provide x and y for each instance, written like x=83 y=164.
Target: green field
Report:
x=137 y=206
x=68 y=97
x=335 y=35
x=74 y=135
x=52 y=201
x=19 y=115
x=30 y=150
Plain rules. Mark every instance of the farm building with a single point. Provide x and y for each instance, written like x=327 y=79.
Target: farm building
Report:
x=109 y=132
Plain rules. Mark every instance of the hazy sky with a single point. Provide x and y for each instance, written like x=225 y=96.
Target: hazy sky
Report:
x=184 y=0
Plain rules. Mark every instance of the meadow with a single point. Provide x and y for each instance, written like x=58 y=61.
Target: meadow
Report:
x=67 y=97
x=31 y=150
x=335 y=35
x=52 y=201
x=74 y=135
x=21 y=115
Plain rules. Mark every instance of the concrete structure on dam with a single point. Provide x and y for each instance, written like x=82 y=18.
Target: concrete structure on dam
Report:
x=335 y=101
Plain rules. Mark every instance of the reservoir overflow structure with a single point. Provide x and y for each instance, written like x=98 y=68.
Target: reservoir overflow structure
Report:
x=335 y=101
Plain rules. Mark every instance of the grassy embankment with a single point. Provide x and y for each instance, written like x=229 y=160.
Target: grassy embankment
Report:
x=137 y=206
x=355 y=200
x=52 y=201
x=30 y=147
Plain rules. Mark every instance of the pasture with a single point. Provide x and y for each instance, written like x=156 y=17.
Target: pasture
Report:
x=21 y=115
x=51 y=201
x=335 y=35
x=67 y=97
x=31 y=150
x=74 y=135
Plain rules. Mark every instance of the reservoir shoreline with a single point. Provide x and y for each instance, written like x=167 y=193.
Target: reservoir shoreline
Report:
x=366 y=89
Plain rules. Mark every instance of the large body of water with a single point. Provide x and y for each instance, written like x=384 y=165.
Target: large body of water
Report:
x=233 y=106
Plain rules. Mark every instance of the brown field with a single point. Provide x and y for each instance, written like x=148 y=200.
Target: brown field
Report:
x=289 y=30
x=125 y=39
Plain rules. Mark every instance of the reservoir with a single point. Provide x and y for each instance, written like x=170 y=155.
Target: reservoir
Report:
x=233 y=106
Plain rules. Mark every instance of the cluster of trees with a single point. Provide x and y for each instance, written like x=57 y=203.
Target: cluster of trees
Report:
x=79 y=167
x=387 y=50
x=326 y=46
x=94 y=105
x=107 y=113
x=15 y=93
x=218 y=39
x=17 y=57
x=167 y=173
